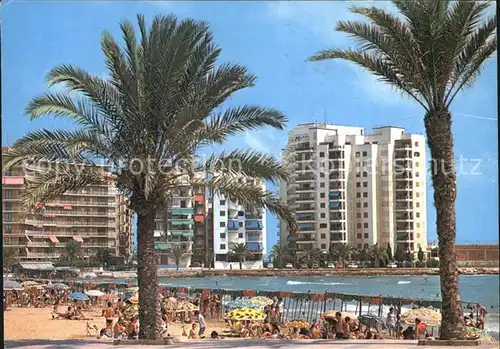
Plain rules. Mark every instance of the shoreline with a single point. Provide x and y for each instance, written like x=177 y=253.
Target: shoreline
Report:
x=172 y=273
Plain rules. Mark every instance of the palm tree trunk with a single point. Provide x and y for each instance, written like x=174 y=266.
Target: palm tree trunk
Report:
x=241 y=265
x=440 y=140
x=147 y=276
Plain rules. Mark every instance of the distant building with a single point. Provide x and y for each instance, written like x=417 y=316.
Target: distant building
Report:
x=97 y=217
x=356 y=188
x=472 y=255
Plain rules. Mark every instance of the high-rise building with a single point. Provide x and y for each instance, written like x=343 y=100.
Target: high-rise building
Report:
x=97 y=217
x=356 y=188
x=233 y=224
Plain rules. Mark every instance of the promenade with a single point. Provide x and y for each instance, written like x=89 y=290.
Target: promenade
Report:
x=227 y=344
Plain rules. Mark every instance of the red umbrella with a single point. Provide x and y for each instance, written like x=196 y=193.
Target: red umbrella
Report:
x=109 y=297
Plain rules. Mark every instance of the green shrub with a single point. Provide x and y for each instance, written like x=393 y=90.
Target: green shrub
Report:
x=432 y=263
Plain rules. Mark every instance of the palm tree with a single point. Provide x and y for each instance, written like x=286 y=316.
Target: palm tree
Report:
x=10 y=257
x=378 y=254
x=72 y=253
x=209 y=258
x=159 y=107
x=280 y=255
x=430 y=53
x=342 y=252
x=102 y=256
x=177 y=253
x=313 y=255
x=364 y=255
x=241 y=252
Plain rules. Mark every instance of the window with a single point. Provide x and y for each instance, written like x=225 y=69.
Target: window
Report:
x=240 y=224
x=418 y=225
x=365 y=194
x=365 y=174
x=358 y=204
x=222 y=246
x=365 y=204
x=357 y=154
x=323 y=236
x=321 y=154
x=417 y=204
x=365 y=246
x=417 y=164
x=8 y=228
x=8 y=194
x=359 y=246
x=365 y=184
x=322 y=205
x=358 y=215
x=322 y=195
x=417 y=194
x=365 y=153
x=358 y=195
x=222 y=224
x=417 y=154
x=8 y=217
x=322 y=215
x=417 y=184
x=358 y=174
x=323 y=225
x=365 y=225
x=359 y=236
x=416 y=144
x=358 y=225
x=222 y=202
x=366 y=235
x=417 y=215
x=365 y=214
x=323 y=246
x=322 y=175
x=222 y=235
x=418 y=235
x=358 y=185
x=241 y=213
x=322 y=185
x=240 y=235
x=222 y=213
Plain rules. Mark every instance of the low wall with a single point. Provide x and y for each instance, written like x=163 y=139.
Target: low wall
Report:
x=319 y=272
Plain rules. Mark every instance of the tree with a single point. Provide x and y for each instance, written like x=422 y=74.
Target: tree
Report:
x=399 y=255
x=312 y=255
x=389 y=252
x=342 y=252
x=102 y=257
x=241 y=252
x=280 y=256
x=177 y=253
x=209 y=258
x=420 y=254
x=378 y=254
x=72 y=253
x=160 y=106
x=430 y=53
x=364 y=255
x=10 y=257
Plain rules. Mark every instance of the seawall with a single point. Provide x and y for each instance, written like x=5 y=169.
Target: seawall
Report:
x=169 y=273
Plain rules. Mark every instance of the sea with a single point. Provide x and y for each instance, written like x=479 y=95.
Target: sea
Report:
x=483 y=289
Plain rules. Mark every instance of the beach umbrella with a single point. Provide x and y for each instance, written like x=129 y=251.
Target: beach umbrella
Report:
x=182 y=306
x=428 y=316
x=109 y=297
x=94 y=293
x=134 y=299
x=78 y=296
x=331 y=315
x=11 y=285
x=242 y=303
x=182 y=295
x=371 y=321
x=30 y=284
x=245 y=314
x=132 y=289
x=296 y=323
x=171 y=304
x=262 y=300
x=59 y=286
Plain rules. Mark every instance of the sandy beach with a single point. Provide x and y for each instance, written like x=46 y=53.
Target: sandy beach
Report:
x=37 y=323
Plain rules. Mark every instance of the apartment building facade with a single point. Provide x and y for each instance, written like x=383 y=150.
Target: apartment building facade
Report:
x=356 y=188
x=97 y=217
x=234 y=223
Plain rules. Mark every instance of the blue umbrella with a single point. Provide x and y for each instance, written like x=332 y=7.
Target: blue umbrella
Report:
x=78 y=296
x=242 y=303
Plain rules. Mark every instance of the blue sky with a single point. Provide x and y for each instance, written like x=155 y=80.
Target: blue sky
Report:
x=273 y=40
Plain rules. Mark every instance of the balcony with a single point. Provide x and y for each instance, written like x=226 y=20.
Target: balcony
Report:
x=407 y=216
x=305 y=237
x=181 y=221
x=305 y=217
x=404 y=196
x=305 y=168
x=304 y=177
x=404 y=153
x=254 y=216
x=403 y=187
x=335 y=185
x=254 y=238
x=337 y=227
x=337 y=216
x=303 y=147
x=305 y=188
x=404 y=206
x=255 y=246
x=336 y=195
x=403 y=176
x=336 y=206
x=336 y=154
x=302 y=208
x=407 y=226
x=199 y=218
x=337 y=175
x=337 y=237
x=233 y=225
x=404 y=236
x=306 y=227
x=183 y=211
x=305 y=198
x=254 y=225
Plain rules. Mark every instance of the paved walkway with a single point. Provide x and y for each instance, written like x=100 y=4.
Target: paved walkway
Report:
x=225 y=344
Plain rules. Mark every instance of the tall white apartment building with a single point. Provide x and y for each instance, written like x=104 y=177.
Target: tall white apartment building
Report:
x=234 y=223
x=357 y=188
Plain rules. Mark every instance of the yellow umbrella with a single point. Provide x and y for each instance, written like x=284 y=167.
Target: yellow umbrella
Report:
x=245 y=314
x=331 y=315
x=30 y=284
x=428 y=316
x=185 y=306
x=297 y=323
